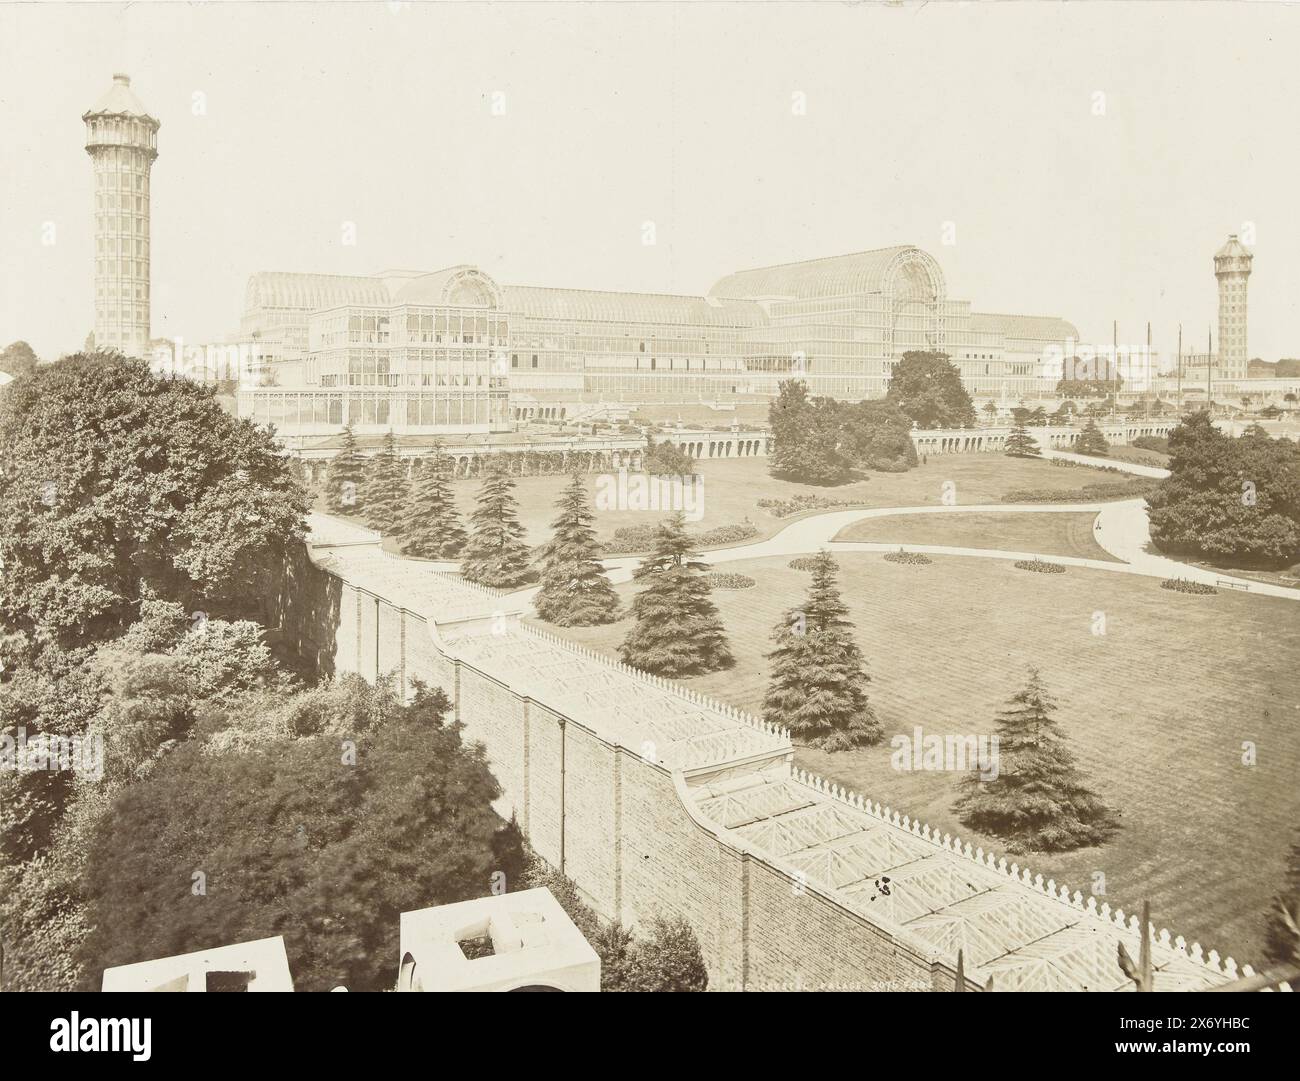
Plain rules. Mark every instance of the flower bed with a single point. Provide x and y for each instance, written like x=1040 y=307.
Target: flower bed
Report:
x=1039 y=566
x=912 y=559
x=720 y=580
x=635 y=539
x=1186 y=585
x=1089 y=493
x=796 y=504
x=803 y=563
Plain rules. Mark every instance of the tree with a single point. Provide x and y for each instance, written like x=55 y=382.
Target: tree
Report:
x=119 y=485
x=667 y=958
x=1281 y=937
x=990 y=410
x=805 y=436
x=496 y=554
x=326 y=849
x=818 y=685
x=387 y=491
x=1038 y=801
x=928 y=388
x=1228 y=500
x=876 y=435
x=432 y=528
x=1091 y=441
x=345 y=476
x=1020 y=444
x=666 y=459
x=18 y=359
x=678 y=631
x=575 y=589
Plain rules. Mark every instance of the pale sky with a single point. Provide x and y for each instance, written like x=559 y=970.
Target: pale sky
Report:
x=981 y=115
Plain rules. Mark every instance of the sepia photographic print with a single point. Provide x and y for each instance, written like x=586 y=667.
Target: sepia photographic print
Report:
x=650 y=497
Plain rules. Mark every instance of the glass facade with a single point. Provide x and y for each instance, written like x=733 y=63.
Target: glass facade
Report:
x=443 y=350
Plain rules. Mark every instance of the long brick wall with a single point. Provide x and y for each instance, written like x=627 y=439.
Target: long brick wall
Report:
x=698 y=826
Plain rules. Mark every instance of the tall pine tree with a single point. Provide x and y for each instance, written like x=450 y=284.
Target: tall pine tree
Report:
x=432 y=528
x=818 y=685
x=1038 y=801
x=386 y=489
x=345 y=477
x=1091 y=441
x=496 y=554
x=575 y=591
x=678 y=631
x=1020 y=444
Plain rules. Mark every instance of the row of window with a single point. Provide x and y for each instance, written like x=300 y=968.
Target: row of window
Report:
x=415 y=410
x=125 y=268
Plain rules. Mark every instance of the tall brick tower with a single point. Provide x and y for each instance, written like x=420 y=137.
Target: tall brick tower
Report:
x=1232 y=268
x=122 y=141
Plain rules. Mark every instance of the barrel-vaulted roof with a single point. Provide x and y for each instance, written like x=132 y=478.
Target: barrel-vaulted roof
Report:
x=1046 y=328
x=462 y=286
x=311 y=292
x=861 y=272
x=600 y=306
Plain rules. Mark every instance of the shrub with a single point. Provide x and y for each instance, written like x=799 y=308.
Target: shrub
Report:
x=1186 y=585
x=796 y=504
x=1067 y=463
x=729 y=581
x=634 y=539
x=1158 y=443
x=1089 y=493
x=727 y=534
x=1039 y=566
x=912 y=559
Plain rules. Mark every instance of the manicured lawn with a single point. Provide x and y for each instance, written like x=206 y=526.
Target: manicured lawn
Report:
x=1157 y=710
x=733 y=486
x=1055 y=534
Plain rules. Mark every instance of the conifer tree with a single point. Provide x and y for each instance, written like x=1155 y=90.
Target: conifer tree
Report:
x=575 y=590
x=1037 y=801
x=1020 y=444
x=678 y=631
x=1091 y=441
x=432 y=528
x=386 y=489
x=495 y=554
x=818 y=685
x=345 y=477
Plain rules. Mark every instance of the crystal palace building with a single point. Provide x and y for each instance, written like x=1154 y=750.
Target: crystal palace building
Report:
x=455 y=351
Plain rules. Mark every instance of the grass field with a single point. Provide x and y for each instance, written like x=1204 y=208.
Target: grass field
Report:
x=1138 y=455
x=1157 y=710
x=733 y=486
x=1054 y=534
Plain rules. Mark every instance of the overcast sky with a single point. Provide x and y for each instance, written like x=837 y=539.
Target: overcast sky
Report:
x=380 y=114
